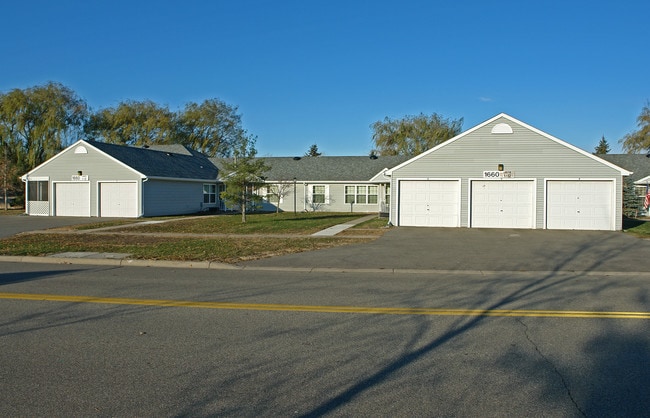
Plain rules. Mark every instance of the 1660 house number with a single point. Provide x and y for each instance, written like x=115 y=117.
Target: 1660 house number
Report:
x=498 y=174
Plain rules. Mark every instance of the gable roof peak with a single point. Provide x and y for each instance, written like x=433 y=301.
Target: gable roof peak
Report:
x=520 y=123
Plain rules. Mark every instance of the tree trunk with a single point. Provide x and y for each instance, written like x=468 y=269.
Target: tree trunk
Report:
x=243 y=206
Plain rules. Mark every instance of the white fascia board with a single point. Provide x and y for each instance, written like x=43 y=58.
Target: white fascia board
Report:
x=86 y=144
x=525 y=125
x=189 y=180
x=642 y=182
x=381 y=177
x=371 y=181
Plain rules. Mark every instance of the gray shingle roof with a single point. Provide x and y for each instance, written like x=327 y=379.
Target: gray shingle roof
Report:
x=639 y=164
x=325 y=168
x=174 y=163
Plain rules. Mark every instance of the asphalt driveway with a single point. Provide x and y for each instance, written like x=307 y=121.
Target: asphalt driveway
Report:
x=15 y=224
x=482 y=249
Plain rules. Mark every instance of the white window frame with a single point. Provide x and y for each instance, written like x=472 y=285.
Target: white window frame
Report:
x=358 y=192
x=40 y=182
x=211 y=192
x=310 y=190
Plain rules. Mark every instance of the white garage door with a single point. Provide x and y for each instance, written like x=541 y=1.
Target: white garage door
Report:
x=429 y=203
x=72 y=199
x=503 y=204
x=119 y=200
x=580 y=205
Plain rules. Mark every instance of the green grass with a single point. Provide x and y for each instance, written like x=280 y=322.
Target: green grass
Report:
x=257 y=223
x=227 y=250
x=376 y=223
x=217 y=248
x=638 y=227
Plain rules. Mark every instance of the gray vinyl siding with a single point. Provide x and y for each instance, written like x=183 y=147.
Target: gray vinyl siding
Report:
x=97 y=166
x=336 y=201
x=525 y=152
x=287 y=204
x=167 y=197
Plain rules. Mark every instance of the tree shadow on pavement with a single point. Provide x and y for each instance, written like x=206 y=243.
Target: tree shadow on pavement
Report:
x=555 y=288
x=27 y=276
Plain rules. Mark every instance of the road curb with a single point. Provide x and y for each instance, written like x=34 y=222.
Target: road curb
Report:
x=215 y=265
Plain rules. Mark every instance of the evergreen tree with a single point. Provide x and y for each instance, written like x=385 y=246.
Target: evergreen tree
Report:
x=313 y=151
x=631 y=202
x=603 y=147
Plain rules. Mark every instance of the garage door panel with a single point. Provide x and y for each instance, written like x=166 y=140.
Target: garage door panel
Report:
x=72 y=199
x=502 y=204
x=434 y=203
x=119 y=200
x=580 y=204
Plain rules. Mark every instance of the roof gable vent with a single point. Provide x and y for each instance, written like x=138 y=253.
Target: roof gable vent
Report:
x=501 y=128
x=80 y=150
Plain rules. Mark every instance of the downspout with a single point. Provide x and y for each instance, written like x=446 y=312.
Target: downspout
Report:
x=26 y=181
x=144 y=180
x=304 y=197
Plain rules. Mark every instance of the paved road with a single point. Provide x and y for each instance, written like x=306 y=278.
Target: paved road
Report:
x=509 y=330
x=121 y=353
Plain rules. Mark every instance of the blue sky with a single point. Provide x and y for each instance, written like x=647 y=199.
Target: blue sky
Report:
x=322 y=71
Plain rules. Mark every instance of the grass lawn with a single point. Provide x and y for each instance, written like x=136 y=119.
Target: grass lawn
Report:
x=638 y=227
x=227 y=250
x=223 y=249
x=257 y=223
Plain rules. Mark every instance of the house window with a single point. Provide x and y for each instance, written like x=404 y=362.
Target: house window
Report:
x=373 y=192
x=387 y=194
x=209 y=193
x=37 y=191
x=361 y=194
x=349 y=194
x=318 y=194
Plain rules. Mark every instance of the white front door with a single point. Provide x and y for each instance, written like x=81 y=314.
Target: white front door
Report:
x=118 y=200
x=434 y=203
x=72 y=199
x=503 y=204
x=580 y=204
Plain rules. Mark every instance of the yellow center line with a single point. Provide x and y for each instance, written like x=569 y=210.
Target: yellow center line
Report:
x=328 y=309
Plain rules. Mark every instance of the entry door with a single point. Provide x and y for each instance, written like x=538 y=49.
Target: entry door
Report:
x=72 y=199
x=434 y=203
x=119 y=200
x=580 y=204
x=503 y=204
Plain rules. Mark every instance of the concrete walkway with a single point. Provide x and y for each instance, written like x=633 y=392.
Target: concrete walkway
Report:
x=333 y=230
